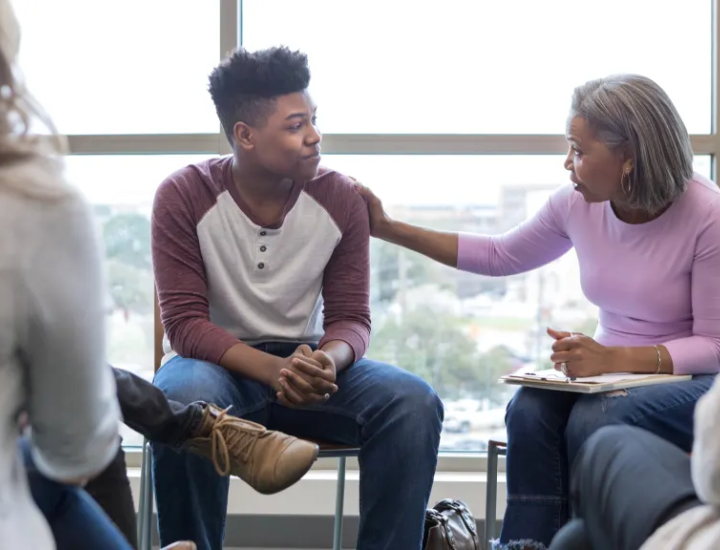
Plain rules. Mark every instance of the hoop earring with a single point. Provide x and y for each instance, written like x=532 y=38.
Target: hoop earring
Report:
x=622 y=183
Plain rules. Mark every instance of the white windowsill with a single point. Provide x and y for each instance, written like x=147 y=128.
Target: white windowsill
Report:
x=459 y=462
x=315 y=494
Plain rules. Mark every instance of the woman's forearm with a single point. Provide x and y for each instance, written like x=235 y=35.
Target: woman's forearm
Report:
x=641 y=360
x=441 y=246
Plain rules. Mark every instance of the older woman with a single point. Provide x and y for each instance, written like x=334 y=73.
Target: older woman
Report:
x=647 y=235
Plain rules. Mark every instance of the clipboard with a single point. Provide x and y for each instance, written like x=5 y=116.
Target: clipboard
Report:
x=554 y=380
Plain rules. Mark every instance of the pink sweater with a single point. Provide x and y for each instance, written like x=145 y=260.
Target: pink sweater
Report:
x=654 y=283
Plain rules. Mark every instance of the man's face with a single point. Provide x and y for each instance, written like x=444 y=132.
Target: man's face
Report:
x=288 y=144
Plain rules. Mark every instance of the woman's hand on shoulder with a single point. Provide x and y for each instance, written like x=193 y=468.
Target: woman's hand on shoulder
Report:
x=380 y=222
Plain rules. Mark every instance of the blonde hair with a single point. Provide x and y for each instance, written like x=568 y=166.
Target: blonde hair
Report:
x=29 y=163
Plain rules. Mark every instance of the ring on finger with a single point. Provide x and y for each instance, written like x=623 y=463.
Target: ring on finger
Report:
x=564 y=368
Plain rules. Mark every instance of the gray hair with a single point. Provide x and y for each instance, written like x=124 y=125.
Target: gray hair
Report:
x=634 y=112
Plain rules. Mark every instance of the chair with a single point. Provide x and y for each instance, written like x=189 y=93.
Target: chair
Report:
x=495 y=449
x=145 y=509
x=326 y=451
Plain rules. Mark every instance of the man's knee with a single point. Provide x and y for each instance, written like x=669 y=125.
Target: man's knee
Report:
x=603 y=449
x=420 y=399
x=573 y=536
x=187 y=381
x=603 y=445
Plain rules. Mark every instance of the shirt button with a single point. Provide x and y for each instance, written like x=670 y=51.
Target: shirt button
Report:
x=263 y=248
x=261 y=265
x=263 y=233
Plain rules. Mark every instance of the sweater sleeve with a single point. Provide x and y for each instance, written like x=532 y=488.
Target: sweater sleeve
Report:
x=700 y=353
x=346 y=279
x=180 y=274
x=530 y=245
x=72 y=408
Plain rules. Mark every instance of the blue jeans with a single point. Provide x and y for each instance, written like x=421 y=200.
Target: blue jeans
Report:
x=394 y=416
x=546 y=430
x=626 y=483
x=76 y=521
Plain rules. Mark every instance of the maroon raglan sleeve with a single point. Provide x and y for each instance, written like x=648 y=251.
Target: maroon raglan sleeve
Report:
x=346 y=281
x=180 y=203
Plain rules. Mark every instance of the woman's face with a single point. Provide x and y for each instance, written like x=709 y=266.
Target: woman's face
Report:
x=595 y=170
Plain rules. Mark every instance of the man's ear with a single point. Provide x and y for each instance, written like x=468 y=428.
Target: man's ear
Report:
x=243 y=135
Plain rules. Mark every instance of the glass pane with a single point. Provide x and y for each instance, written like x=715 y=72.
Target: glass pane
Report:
x=461 y=331
x=463 y=66
x=703 y=165
x=489 y=326
x=134 y=66
x=120 y=190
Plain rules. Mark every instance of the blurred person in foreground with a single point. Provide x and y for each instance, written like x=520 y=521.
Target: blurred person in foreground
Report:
x=631 y=489
x=58 y=410
x=52 y=346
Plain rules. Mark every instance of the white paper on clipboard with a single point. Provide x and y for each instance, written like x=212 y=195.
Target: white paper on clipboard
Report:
x=554 y=380
x=553 y=375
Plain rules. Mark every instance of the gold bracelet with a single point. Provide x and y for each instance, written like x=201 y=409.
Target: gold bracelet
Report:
x=659 y=359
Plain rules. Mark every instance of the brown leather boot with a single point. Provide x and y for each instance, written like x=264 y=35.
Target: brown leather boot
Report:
x=266 y=460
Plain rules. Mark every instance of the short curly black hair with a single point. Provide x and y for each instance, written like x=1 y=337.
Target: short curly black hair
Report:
x=245 y=85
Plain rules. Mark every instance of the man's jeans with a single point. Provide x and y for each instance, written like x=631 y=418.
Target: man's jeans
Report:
x=626 y=483
x=547 y=428
x=393 y=415
x=148 y=411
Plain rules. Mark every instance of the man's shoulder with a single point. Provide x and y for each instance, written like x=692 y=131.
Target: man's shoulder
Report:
x=333 y=181
x=194 y=184
x=333 y=186
x=336 y=193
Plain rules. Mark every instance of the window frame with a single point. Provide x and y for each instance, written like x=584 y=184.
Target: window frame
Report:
x=390 y=144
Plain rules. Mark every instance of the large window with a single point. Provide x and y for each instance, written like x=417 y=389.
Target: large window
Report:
x=452 y=112
x=130 y=67
x=469 y=66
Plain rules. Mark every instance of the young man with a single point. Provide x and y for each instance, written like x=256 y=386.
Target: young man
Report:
x=261 y=264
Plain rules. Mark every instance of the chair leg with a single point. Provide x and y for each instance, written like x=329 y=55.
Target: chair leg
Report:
x=491 y=494
x=141 y=505
x=147 y=498
x=339 y=503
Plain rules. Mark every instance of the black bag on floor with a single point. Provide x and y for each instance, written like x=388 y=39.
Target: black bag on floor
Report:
x=450 y=525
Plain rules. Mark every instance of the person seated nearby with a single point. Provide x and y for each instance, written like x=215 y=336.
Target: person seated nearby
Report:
x=204 y=429
x=261 y=261
x=59 y=415
x=52 y=367
x=631 y=489
x=646 y=230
